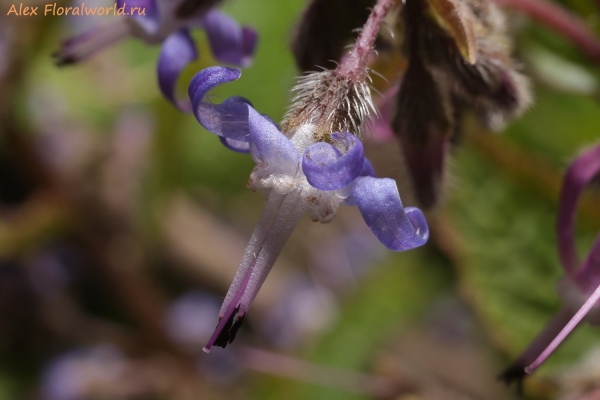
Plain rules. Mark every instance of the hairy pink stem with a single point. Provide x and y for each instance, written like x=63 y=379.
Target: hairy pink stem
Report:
x=354 y=65
x=561 y=21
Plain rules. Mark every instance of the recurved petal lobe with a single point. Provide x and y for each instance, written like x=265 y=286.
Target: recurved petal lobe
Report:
x=327 y=168
x=398 y=228
x=228 y=119
x=229 y=42
x=177 y=51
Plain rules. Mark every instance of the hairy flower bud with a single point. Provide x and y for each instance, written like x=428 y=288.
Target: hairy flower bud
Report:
x=331 y=102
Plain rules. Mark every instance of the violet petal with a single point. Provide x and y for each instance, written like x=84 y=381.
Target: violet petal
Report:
x=326 y=168
x=228 y=119
x=270 y=145
x=398 y=228
x=177 y=51
x=232 y=144
x=235 y=145
x=229 y=42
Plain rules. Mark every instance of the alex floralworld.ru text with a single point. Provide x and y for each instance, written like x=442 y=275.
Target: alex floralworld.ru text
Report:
x=21 y=10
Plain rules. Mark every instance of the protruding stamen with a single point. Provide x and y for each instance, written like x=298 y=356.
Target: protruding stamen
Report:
x=585 y=308
x=517 y=370
x=83 y=46
x=276 y=224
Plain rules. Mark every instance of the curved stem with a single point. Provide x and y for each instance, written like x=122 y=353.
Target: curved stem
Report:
x=561 y=21
x=579 y=174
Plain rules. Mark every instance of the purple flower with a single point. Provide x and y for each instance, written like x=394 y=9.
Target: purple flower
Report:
x=161 y=21
x=312 y=169
x=580 y=287
x=81 y=372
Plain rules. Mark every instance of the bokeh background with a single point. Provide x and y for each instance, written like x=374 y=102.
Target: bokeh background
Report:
x=122 y=223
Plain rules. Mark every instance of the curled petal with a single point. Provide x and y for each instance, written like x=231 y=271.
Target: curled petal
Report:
x=367 y=170
x=579 y=174
x=249 y=38
x=228 y=119
x=379 y=203
x=229 y=42
x=235 y=145
x=236 y=119
x=326 y=168
x=176 y=53
x=232 y=144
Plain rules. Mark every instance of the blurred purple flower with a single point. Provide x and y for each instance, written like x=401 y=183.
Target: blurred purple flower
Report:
x=298 y=174
x=189 y=320
x=304 y=308
x=159 y=21
x=82 y=372
x=48 y=271
x=189 y=323
x=342 y=260
x=580 y=287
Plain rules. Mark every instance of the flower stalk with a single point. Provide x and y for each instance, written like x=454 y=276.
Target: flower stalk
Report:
x=354 y=65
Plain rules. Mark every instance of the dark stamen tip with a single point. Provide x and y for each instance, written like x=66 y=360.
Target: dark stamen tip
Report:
x=229 y=331
x=514 y=373
x=61 y=60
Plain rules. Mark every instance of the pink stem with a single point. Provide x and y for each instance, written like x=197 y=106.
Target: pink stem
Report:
x=355 y=63
x=560 y=20
x=543 y=339
x=585 y=308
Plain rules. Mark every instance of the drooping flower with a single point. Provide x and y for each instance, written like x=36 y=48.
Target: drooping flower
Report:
x=580 y=287
x=305 y=172
x=168 y=22
x=314 y=164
